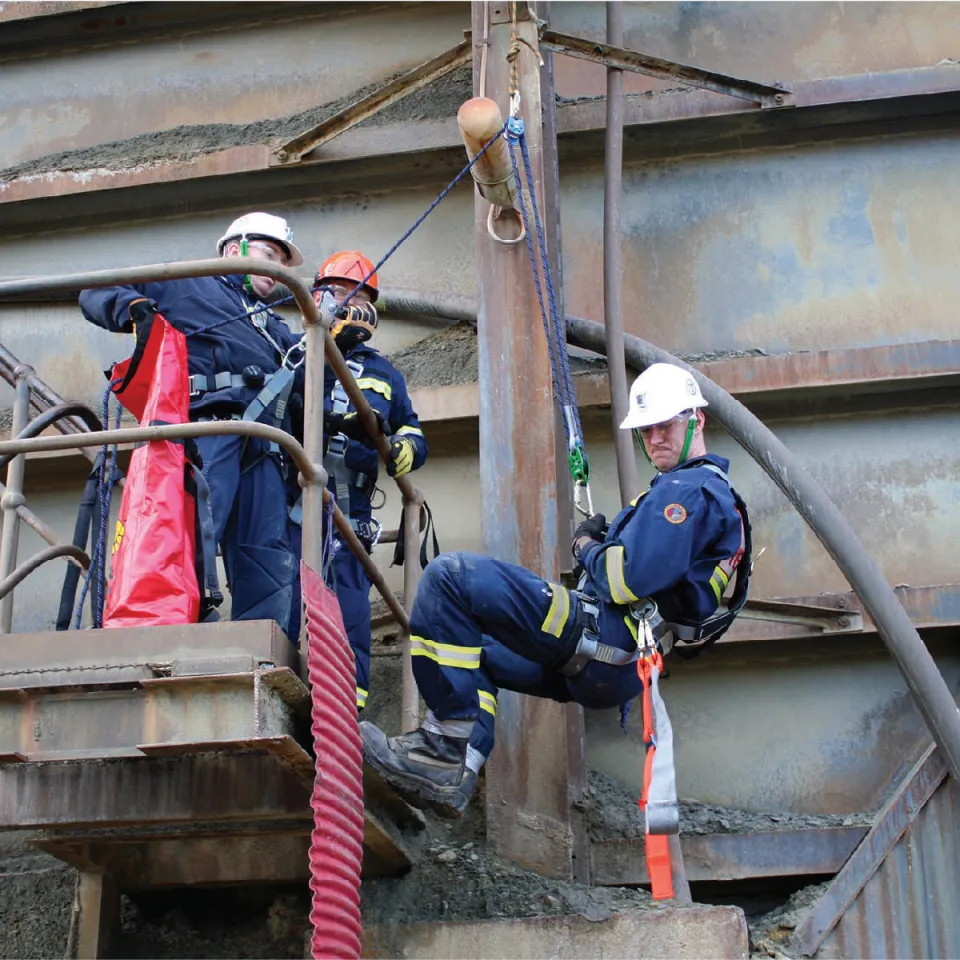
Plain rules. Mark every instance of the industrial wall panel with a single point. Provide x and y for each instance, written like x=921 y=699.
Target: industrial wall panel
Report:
x=812 y=728
x=209 y=78
x=815 y=247
x=763 y=41
x=908 y=907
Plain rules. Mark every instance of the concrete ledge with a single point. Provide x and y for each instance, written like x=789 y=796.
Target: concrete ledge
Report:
x=718 y=932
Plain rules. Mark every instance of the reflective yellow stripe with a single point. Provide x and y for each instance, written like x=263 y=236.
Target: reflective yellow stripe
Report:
x=446 y=654
x=378 y=386
x=716 y=588
x=616 y=576
x=632 y=627
x=361 y=697
x=722 y=576
x=488 y=702
x=556 y=618
x=413 y=431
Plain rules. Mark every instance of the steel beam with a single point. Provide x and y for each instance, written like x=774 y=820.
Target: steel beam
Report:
x=611 y=55
x=732 y=856
x=891 y=823
x=859 y=97
x=373 y=103
x=528 y=808
x=98 y=905
x=141 y=790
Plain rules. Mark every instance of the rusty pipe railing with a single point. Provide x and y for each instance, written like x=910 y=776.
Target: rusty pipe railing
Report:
x=13 y=497
x=311 y=472
x=318 y=343
x=67 y=550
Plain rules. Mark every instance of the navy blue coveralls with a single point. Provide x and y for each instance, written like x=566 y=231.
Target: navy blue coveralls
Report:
x=352 y=479
x=480 y=624
x=246 y=477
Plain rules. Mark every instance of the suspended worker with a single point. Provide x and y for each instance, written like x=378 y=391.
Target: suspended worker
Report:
x=479 y=624
x=244 y=364
x=351 y=458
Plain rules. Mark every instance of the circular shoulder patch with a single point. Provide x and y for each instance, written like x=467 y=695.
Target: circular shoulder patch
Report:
x=675 y=513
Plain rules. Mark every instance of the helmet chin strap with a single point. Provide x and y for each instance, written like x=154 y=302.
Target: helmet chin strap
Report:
x=687 y=440
x=247 y=280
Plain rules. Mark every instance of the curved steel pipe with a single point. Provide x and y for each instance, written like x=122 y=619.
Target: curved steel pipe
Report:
x=926 y=683
x=38 y=560
x=50 y=416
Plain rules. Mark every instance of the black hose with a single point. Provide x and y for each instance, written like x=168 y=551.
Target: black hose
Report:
x=43 y=420
x=38 y=559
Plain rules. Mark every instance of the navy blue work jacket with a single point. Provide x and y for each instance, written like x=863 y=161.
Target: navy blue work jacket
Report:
x=385 y=390
x=667 y=545
x=192 y=305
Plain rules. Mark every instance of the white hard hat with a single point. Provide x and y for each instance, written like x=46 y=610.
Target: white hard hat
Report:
x=662 y=392
x=262 y=226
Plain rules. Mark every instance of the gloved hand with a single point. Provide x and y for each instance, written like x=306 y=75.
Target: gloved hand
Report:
x=141 y=311
x=593 y=529
x=350 y=425
x=356 y=313
x=402 y=452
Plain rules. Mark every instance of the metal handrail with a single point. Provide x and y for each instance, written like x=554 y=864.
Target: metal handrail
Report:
x=307 y=457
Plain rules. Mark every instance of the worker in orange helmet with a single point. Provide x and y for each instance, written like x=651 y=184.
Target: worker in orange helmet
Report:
x=346 y=288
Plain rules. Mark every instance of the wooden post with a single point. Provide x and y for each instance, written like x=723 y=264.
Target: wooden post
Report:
x=528 y=802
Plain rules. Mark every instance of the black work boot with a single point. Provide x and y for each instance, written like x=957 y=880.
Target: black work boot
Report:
x=426 y=769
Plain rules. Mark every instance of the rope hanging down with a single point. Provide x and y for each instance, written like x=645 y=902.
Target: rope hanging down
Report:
x=553 y=326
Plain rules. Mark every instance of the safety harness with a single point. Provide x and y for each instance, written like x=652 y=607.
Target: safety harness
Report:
x=645 y=611
x=344 y=478
x=274 y=388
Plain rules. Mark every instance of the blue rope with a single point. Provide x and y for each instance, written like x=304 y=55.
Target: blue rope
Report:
x=552 y=323
x=426 y=213
x=406 y=236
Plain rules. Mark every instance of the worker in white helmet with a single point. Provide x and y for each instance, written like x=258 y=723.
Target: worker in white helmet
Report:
x=241 y=367
x=479 y=625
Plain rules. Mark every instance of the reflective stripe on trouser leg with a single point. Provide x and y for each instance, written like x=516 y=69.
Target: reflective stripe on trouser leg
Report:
x=663 y=814
x=464 y=599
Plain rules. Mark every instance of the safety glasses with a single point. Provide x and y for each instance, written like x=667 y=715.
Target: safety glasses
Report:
x=665 y=425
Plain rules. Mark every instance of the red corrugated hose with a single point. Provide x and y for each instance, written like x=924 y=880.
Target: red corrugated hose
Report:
x=336 y=846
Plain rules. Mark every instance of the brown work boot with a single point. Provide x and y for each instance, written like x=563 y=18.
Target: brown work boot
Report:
x=427 y=769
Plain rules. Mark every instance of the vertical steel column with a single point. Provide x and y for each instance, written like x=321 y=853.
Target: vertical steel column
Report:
x=613 y=264
x=13 y=497
x=528 y=809
x=410 y=704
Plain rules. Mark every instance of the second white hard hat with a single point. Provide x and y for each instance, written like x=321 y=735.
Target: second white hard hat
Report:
x=660 y=393
x=263 y=226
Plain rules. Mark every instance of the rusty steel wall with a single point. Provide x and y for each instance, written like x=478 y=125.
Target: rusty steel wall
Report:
x=818 y=727
x=212 y=75
x=908 y=908
x=764 y=41
x=835 y=245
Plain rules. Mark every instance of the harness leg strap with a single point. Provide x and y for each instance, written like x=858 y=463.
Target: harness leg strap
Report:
x=662 y=810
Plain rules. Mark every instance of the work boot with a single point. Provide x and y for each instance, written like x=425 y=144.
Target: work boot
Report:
x=426 y=769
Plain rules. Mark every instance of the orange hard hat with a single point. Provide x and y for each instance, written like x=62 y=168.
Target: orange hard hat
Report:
x=349 y=265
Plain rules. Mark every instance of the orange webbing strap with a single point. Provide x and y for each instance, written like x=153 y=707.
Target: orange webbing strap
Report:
x=657 y=845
